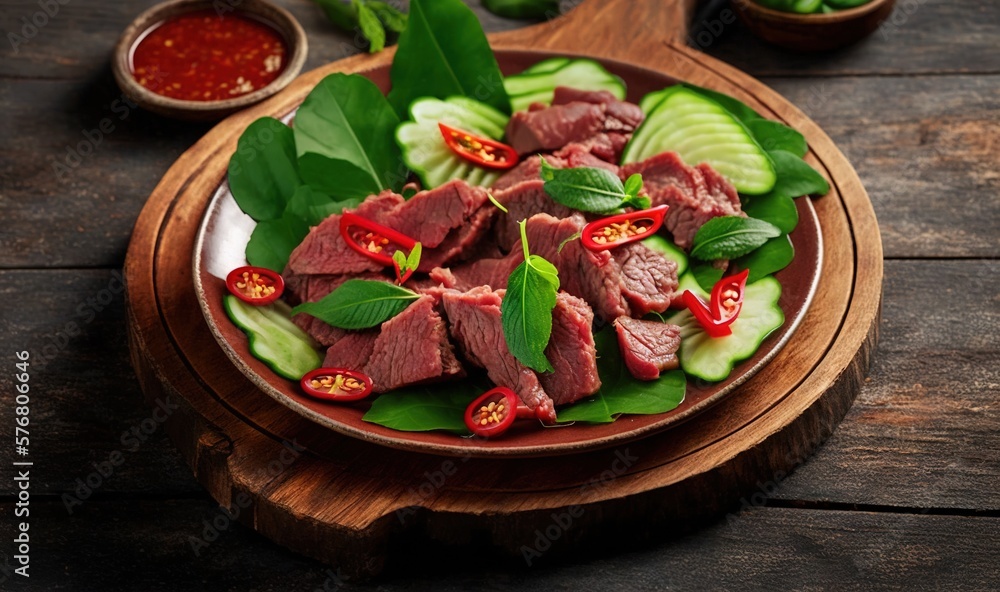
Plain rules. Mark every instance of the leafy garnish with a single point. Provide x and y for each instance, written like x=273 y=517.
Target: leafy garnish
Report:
x=773 y=135
x=777 y=209
x=359 y=304
x=772 y=257
x=526 y=311
x=273 y=241
x=591 y=189
x=263 y=174
x=407 y=264
x=344 y=138
x=372 y=18
x=494 y=201
x=312 y=207
x=523 y=9
x=728 y=237
x=706 y=275
x=620 y=391
x=444 y=52
x=424 y=408
x=795 y=177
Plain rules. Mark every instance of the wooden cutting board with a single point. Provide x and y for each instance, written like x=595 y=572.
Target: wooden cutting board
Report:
x=342 y=501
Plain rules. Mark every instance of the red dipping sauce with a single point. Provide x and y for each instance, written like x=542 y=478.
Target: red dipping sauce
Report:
x=201 y=56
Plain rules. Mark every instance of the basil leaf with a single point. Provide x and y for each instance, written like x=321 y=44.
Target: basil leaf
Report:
x=773 y=135
x=345 y=138
x=263 y=174
x=620 y=391
x=359 y=304
x=776 y=209
x=523 y=9
x=391 y=17
x=370 y=26
x=633 y=184
x=341 y=14
x=422 y=408
x=795 y=177
x=273 y=241
x=586 y=189
x=312 y=207
x=706 y=275
x=444 y=52
x=526 y=311
x=728 y=237
x=772 y=257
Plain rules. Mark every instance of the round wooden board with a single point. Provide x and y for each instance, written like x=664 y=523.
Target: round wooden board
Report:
x=341 y=500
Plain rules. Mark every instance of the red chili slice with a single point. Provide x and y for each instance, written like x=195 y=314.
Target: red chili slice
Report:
x=373 y=240
x=255 y=285
x=336 y=384
x=494 y=412
x=608 y=233
x=725 y=304
x=480 y=151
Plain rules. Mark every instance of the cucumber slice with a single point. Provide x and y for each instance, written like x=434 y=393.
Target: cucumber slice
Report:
x=669 y=250
x=546 y=66
x=539 y=86
x=274 y=338
x=701 y=130
x=426 y=154
x=713 y=358
x=457 y=113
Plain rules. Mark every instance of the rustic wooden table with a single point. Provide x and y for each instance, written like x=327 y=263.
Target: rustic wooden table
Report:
x=904 y=495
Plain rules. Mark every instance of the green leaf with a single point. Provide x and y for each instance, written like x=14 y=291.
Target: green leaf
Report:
x=620 y=391
x=772 y=257
x=526 y=311
x=633 y=184
x=523 y=9
x=424 y=408
x=391 y=17
x=340 y=13
x=273 y=241
x=706 y=275
x=413 y=259
x=312 y=207
x=585 y=188
x=728 y=237
x=370 y=26
x=795 y=177
x=444 y=52
x=344 y=136
x=773 y=135
x=359 y=304
x=777 y=209
x=263 y=174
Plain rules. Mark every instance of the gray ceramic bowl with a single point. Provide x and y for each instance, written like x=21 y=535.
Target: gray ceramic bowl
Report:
x=287 y=26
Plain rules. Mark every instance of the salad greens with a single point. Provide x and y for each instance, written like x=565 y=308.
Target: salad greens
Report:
x=444 y=52
x=273 y=241
x=424 y=408
x=523 y=9
x=728 y=237
x=359 y=304
x=344 y=138
x=591 y=189
x=375 y=19
x=526 y=310
x=263 y=173
x=771 y=257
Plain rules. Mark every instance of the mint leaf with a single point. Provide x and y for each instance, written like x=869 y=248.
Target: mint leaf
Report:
x=391 y=17
x=633 y=184
x=795 y=177
x=620 y=391
x=586 y=189
x=526 y=310
x=370 y=26
x=772 y=257
x=413 y=259
x=263 y=174
x=359 y=304
x=342 y=14
x=728 y=237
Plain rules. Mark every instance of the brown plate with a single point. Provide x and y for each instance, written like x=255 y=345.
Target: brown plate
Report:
x=225 y=231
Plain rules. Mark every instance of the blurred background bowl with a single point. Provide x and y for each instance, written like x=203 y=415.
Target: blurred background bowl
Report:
x=813 y=32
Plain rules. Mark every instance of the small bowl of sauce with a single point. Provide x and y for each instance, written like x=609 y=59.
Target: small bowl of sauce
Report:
x=205 y=59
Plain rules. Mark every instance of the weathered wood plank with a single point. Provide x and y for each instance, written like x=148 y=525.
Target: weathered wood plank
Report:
x=138 y=546
x=923 y=433
x=926 y=162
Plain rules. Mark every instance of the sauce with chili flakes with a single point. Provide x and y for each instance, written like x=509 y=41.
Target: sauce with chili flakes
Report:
x=201 y=56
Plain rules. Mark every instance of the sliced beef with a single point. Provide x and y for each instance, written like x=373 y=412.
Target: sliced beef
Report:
x=523 y=201
x=649 y=280
x=312 y=288
x=554 y=127
x=621 y=115
x=474 y=323
x=431 y=216
x=528 y=169
x=598 y=152
x=324 y=251
x=647 y=347
x=695 y=194
x=465 y=242
x=352 y=350
x=571 y=352
x=412 y=348
x=323 y=333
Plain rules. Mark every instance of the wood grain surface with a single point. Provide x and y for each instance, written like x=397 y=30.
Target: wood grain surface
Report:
x=902 y=496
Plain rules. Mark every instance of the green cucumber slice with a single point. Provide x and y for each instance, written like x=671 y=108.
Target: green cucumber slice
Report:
x=713 y=358
x=546 y=65
x=701 y=130
x=457 y=113
x=274 y=338
x=669 y=250
x=582 y=74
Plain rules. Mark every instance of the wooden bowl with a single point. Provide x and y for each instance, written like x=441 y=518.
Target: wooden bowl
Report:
x=281 y=19
x=813 y=32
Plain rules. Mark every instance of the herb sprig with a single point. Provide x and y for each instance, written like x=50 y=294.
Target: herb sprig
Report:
x=591 y=189
x=359 y=304
x=375 y=19
x=526 y=310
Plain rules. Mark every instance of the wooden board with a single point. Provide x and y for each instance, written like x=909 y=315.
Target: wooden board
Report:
x=342 y=501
